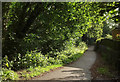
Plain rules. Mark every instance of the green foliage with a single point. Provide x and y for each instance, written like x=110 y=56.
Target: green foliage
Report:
x=8 y=74
x=36 y=63
x=71 y=53
x=6 y=63
x=99 y=39
x=32 y=58
x=31 y=40
x=106 y=29
x=44 y=34
x=63 y=57
x=108 y=36
x=47 y=26
x=111 y=9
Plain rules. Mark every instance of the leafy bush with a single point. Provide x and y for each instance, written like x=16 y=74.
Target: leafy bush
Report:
x=108 y=36
x=8 y=74
x=38 y=63
x=71 y=53
x=32 y=58
x=6 y=63
x=82 y=45
x=31 y=40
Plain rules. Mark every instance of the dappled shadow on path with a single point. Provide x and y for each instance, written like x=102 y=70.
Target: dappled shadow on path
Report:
x=71 y=73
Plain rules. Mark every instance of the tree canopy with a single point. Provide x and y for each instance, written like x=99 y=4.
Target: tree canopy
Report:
x=48 y=26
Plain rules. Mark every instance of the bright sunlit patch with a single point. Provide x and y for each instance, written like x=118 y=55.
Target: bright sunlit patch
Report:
x=117 y=8
x=110 y=26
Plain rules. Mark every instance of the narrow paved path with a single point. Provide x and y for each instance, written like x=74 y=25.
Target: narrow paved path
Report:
x=78 y=70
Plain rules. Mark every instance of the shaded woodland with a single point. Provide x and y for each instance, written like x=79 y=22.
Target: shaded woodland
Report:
x=41 y=34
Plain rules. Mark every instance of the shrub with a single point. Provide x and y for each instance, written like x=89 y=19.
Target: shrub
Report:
x=32 y=58
x=71 y=53
x=6 y=63
x=34 y=61
x=8 y=74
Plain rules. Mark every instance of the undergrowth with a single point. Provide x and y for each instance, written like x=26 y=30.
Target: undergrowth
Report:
x=35 y=63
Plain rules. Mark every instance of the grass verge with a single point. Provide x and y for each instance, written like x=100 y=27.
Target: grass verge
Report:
x=33 y=72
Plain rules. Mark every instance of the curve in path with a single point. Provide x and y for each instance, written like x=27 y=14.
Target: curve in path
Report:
x=78 y=70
